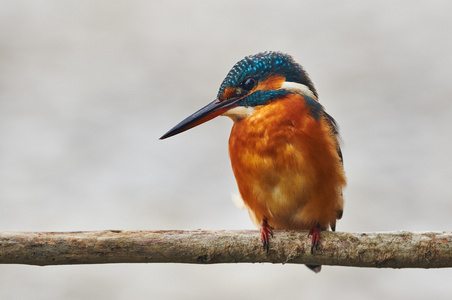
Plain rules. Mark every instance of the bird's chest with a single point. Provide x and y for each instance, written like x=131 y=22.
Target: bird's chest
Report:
x=260 y=151
x=268 y=167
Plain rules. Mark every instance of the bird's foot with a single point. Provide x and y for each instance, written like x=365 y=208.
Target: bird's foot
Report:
x=315 y=233
x=265 y=230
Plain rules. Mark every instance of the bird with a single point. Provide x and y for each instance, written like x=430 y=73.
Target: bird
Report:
x=284 y=147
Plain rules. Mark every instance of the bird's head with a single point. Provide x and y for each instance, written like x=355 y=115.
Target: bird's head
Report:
x=253 y=81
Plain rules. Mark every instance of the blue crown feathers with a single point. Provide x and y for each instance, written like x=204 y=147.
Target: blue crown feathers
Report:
x=266 y=63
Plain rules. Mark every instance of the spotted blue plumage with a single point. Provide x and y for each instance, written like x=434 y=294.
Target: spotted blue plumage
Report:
x=315 y=108
x=261 y=65
x=262 y=97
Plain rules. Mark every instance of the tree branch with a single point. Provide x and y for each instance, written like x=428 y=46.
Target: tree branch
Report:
x=374 y=250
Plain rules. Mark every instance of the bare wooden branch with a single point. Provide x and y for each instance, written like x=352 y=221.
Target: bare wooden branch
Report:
x=375 y=250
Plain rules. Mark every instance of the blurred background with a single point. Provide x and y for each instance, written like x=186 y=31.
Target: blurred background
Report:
x=88 y=87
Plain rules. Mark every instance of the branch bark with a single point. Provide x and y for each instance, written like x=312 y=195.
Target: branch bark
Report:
x=373 y=250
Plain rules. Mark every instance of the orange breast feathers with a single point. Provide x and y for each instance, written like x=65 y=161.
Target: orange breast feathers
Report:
x=287 y=167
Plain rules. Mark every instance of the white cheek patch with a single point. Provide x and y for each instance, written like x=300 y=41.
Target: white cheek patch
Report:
x=299 y=88
x=239 y=112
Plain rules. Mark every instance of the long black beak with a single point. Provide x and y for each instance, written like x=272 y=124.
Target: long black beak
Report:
x=208 y=112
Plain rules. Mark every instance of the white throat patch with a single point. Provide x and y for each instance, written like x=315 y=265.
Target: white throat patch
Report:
x=239 y=112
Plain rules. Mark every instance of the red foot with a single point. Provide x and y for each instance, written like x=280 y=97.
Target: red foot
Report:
x=315 y=232
x=265 y=231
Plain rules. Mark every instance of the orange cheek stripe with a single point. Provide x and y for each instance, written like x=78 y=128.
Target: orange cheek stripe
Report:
x=272 y=83
x=228 y=93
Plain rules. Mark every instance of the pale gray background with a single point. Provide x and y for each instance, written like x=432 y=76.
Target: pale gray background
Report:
x=88 y=87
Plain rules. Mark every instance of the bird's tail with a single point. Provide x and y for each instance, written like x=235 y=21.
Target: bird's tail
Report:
x=315 y=268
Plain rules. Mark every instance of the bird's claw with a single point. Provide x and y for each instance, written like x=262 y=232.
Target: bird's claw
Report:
x=265 y=230
x=315 y=237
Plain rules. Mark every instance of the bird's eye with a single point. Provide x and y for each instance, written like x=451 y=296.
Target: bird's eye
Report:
x=248 y=84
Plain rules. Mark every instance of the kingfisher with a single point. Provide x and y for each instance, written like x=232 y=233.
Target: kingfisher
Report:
x=284 y=147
